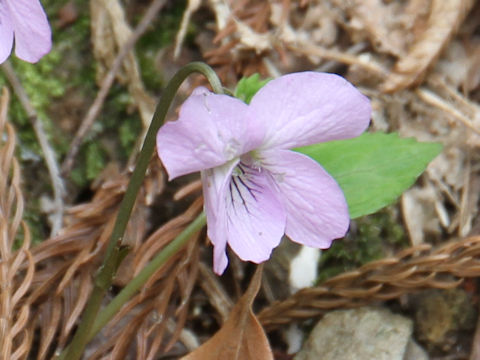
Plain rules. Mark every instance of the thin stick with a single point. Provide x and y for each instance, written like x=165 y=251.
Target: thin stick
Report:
x=341 y=57
x=57 y=182
x=432 y=98
x=107 y=83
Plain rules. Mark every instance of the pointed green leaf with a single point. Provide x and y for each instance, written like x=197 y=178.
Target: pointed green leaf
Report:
x=248 y=86
x=374 y=168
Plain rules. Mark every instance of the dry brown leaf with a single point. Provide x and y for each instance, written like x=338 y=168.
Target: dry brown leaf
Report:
x=444 y=20
x=377 y=21
x=241 y=336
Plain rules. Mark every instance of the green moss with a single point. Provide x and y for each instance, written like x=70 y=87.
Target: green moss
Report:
x=69 y=71
x=371 y=238
x=128 y=132
x=162 y=33
x=443 y=317
x=95 y=160
x=35 y=225
x=46 y=83
x=92 y=160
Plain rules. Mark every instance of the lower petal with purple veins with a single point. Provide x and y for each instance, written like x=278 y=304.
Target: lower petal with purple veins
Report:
x=249 y=213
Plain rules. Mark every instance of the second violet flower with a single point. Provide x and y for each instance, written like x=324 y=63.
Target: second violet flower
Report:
x=255 y=188
x=26 y=22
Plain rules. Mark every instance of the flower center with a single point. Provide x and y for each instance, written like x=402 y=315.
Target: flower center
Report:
x=243 y=185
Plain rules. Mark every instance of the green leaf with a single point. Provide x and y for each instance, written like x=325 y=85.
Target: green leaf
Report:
x=248 y=86
x=374 y=168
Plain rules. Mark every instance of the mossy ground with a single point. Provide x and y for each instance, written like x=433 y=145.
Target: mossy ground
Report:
x=370 y=238
x=61 y=87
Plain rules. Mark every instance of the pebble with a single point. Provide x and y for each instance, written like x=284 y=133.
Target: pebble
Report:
x=366 y=333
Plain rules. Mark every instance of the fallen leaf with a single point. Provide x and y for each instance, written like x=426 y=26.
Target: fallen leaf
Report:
x=444 y=20
x=241 y=336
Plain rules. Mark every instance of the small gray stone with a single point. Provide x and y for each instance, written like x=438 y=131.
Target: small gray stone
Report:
x=415 y=352
x=360 y=334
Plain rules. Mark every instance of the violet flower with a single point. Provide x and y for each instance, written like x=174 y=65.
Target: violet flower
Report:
x=255 y=189
x=26 y=21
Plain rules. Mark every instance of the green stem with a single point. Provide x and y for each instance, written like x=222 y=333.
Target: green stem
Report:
x=115 y=250
x=138 y=281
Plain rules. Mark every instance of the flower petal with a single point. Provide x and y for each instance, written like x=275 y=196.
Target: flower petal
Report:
x=248 y=214
x=308 y=107
x=33 y=37
x=6 y=33
x=317 y=212
x=214 y=182
x=210 y=131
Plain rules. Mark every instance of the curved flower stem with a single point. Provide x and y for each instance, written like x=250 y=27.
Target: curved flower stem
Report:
x=116 y=251
x=138 y=281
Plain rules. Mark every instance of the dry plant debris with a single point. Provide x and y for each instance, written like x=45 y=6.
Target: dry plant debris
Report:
x=417 y=60
x=111 y=32
x=413 y=269
x=15 y=314
x=443 y=21
x=241 y=336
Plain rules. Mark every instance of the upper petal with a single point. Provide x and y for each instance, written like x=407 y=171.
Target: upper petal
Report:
x=308 y=107
x=317 y=212
x=33 y=37
x=249 y=214
x=6 y=33
x=210 y=131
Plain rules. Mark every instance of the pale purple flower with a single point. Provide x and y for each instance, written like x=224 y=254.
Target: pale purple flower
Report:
x=26 y=21
x=255 y=189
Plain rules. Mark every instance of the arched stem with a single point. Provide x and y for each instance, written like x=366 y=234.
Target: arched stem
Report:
x=116 y=251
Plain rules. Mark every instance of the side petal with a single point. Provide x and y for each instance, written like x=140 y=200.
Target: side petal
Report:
x=317 y=212
x=249 y=214
x=33 y=37
x=214 y=183
x=306 y=108
x=6 y=33
x=210 y=131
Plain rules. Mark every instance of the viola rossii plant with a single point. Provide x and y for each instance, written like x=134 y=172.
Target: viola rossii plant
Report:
x=290 y=160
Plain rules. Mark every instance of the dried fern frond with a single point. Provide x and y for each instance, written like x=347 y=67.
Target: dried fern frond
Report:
x=15 y=336
x=143 y=321
x=413 y=269
x=67 y=263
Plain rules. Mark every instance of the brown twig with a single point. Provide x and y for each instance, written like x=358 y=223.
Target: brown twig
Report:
x=107 y=82
x=58 y=186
